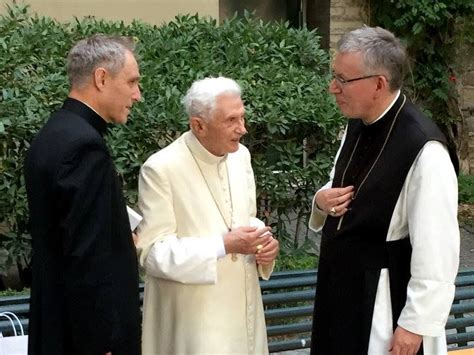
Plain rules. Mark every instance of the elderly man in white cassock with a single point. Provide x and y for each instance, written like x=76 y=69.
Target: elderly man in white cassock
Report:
x=199 y=242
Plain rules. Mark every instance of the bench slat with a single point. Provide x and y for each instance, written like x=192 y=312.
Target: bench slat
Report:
x=459 y=338
x=18 y=309
x=288 y=297
x=461 y=308
x=288 y=283
x=292 y=344
x=464 y=294
x=6 y=327
x=464 y=280
x=460 y=322
x=289 y=312
x=293 y=273
x=302 y=327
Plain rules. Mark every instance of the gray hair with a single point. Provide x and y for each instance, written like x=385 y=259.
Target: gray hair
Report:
x=200 y=100
x=380 y=49
x=98 y=50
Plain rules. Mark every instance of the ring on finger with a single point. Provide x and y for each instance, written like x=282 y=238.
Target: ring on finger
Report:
x=332 y=211
x=259 y=247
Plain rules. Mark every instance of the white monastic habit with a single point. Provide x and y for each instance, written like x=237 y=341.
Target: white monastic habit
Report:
x=197 y=299
x=427 y=211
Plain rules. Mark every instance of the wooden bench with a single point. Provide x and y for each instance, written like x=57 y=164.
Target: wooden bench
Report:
x=288 y=300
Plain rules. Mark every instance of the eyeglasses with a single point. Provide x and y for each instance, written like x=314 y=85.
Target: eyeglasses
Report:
x=347 y=81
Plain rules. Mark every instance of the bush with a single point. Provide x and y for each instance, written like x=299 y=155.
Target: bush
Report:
x=466 y=189
x=292 y=121
x=296 y=259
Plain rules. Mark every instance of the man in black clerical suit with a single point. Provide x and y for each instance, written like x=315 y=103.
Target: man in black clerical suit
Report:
x=387 y=214
x=84 y=295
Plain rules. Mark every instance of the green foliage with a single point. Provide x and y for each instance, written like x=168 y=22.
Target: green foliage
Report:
x=466 y=189
x=292 y=121
x=432 y=32
x=296 y=259
x=10 y=292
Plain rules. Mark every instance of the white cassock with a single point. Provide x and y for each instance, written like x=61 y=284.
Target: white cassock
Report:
x=426 y=210
x=195 y=301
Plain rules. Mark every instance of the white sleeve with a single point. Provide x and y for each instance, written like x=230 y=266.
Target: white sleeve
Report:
x=431 y=208
x=318 y=217
x=190 y=259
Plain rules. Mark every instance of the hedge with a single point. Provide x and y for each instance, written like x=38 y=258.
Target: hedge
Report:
x=292 y=121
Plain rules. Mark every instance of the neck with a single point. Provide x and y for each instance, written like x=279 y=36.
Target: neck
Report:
x=380 y=105
x=206 y=145
x=88 y=99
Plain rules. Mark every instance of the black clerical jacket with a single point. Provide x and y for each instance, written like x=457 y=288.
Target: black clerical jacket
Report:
x=84 y=295
x=375 y=159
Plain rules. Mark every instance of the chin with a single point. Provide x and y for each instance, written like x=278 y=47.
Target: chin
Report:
x=121 y=120
x=234 y=148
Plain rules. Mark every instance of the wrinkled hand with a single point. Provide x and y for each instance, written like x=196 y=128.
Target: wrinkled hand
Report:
x=268 y=253
x=244 y=240
x=405 y=342
x=335 y=201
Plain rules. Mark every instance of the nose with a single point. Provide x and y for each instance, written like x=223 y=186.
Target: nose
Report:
x=137 y=96
x=334 y=87
x=241 y=128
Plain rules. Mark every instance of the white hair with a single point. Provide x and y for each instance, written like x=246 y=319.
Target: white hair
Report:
x=200 y=100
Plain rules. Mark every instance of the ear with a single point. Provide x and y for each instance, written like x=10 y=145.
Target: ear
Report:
x=382 y=85
x=197 y=125
x=100 y=78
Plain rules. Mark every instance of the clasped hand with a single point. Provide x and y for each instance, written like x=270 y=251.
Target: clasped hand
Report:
x=335 y=201
x=250 y=240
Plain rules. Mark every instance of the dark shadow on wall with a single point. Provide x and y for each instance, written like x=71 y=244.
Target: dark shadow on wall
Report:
x=312 y=13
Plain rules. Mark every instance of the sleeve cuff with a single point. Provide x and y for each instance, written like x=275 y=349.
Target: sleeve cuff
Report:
x=427 y=308
x=220 y=248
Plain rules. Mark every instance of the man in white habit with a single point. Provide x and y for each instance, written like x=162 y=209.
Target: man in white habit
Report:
x=390 y=239
x=199 y=242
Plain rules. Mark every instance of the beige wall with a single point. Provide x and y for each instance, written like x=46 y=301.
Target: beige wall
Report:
x=150 y=11
x=346 y=15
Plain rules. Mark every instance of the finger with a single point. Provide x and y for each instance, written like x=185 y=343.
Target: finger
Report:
x=263 y=241
x=345 y=190
x=268 y=250
x=341 y=199
x=247 y=229
x=266 y=231
x=265 y=258
x=395 y=350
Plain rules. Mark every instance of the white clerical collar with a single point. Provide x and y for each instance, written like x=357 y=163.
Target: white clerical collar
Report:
x=200 y=152
x=386 y=110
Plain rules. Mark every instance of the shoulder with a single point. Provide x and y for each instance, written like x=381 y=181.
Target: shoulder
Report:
x=66 y=127
x=171 y=155
x=421 y=125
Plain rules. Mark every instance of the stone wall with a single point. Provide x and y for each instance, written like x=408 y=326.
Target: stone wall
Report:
x=346 y=15
x=466 y=100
